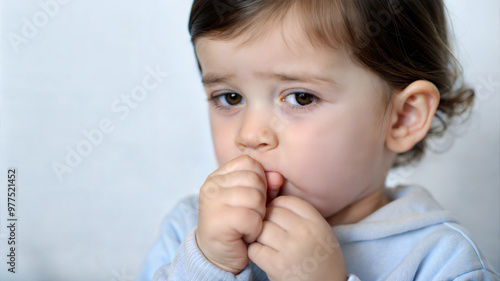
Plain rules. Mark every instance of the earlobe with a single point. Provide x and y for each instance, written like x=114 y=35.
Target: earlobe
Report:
x=413 y=109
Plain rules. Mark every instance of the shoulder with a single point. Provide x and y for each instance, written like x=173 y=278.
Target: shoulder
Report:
x=411 y=238
x=188 y=204
x=446 y=251
x=442 y=248
x=182 y=218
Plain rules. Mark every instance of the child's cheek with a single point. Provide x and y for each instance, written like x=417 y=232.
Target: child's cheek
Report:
x=223 y=153
x=321 y=165
x=223 y=143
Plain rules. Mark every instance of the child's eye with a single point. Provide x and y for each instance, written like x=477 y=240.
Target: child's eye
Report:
x=227 y=100
x=300 y=98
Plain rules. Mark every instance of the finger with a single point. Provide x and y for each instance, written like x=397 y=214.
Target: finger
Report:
x=263 y=256
x=283 y=217
x=243 y=162
x=274 y=182
x=272 y=235
x=247 y=223
x=215 y=186
x=296 y=205
x=240 y=178
x=246 y=197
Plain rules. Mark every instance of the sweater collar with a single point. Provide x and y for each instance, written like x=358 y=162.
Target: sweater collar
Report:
x=411 y=208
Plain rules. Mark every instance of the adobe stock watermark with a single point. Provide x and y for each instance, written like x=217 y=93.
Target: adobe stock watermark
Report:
x=121 y=276
x=31 y=26
x=324 y=249
x=445 y=142
x=121 y=108
x=278 y=124
x=485 y=87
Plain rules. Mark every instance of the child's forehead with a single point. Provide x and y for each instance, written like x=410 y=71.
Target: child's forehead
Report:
x=271 y=55
x=293 y=27
x=286 y=36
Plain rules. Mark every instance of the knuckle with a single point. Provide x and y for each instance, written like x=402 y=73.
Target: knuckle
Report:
x=305 y=232
x=256 y=197
x=231 y=165
x=245 y=158
x=221 y=180
x=245 y=217
x=254 y=222
x=248 y=162
x=209 y=190
x=253 y=178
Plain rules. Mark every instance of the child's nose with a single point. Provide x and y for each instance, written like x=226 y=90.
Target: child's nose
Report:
x=256 y=133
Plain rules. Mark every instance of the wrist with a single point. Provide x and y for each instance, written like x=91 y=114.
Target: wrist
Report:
x=213 y=261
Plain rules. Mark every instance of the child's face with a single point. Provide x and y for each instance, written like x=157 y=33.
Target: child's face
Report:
x=308 y=113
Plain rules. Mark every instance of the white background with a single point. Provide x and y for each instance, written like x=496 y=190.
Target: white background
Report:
x=99 y=221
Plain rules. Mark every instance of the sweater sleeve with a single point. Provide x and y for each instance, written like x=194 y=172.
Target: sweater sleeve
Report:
x=189 y=263
x=176 y=256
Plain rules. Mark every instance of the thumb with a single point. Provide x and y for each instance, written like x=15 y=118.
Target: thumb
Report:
x=274 y=182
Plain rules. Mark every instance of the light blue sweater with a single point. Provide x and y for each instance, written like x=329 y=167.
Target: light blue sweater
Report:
x=411 y=238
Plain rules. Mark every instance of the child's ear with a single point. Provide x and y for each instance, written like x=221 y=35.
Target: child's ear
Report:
x=411 y=117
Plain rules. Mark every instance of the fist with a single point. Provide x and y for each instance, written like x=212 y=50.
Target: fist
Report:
x=232 y=206
x=296 y=243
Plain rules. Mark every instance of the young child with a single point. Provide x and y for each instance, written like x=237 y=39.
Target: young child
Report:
x=312 y=102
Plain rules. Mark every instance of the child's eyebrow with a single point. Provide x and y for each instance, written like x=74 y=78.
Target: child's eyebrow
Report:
x=299 y=77
x=211 y=78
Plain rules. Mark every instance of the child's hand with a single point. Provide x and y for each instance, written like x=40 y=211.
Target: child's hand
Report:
x=297 y=243
x=232 y=206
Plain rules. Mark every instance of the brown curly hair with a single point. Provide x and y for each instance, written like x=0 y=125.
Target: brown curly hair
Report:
x=402 y=41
